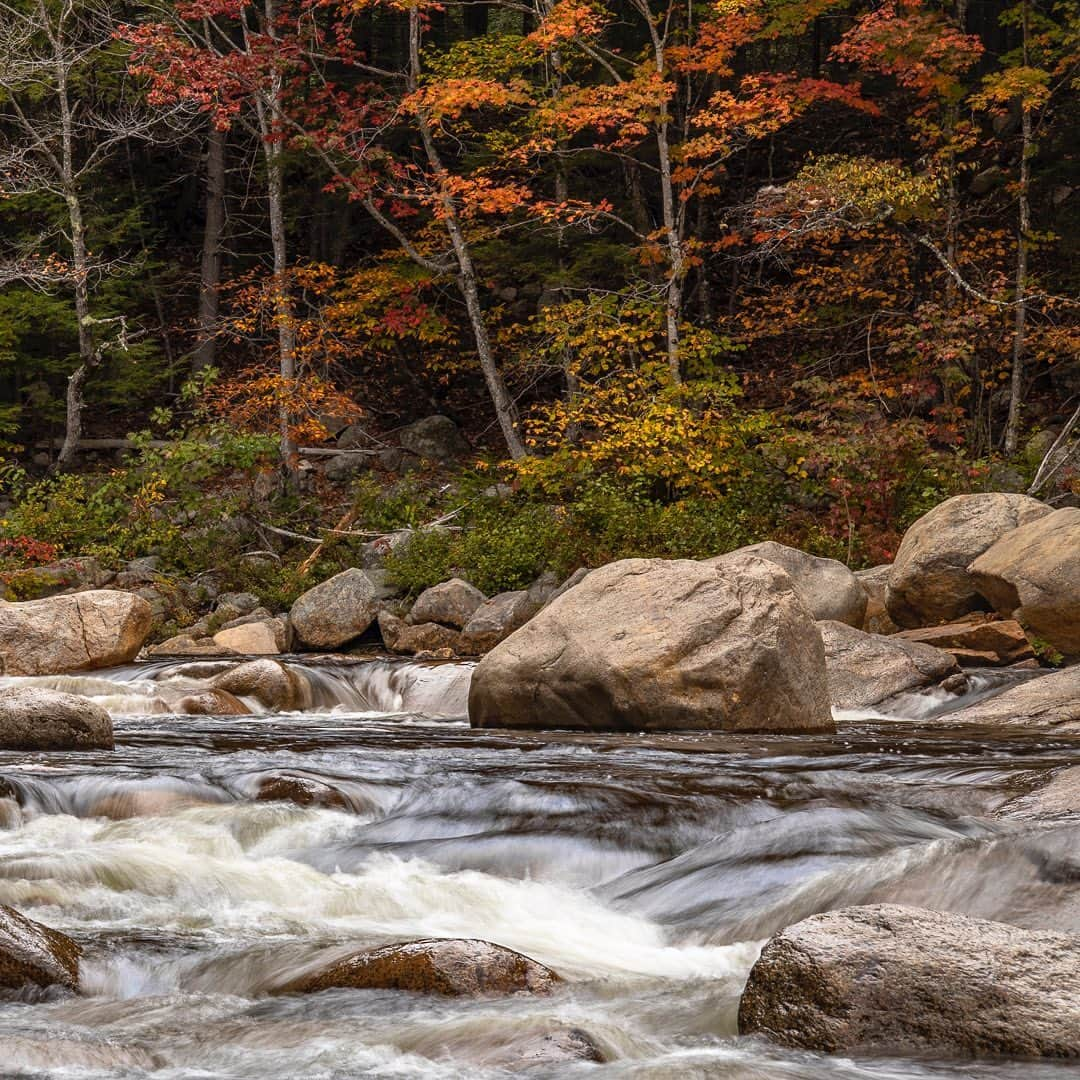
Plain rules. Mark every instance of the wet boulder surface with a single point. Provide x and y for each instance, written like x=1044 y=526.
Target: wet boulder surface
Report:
x=32 y=954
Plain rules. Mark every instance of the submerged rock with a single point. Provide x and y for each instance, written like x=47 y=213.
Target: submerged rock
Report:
x=80 y=632
x=339 y=609
x=827 y=587
x=654 y=644
x=455 y=967
x=1033 y=575
x=886 y=978
x=929 y=581
x=865 y=669
x=34 y=954
x=34 y=718
x=557 y=1045
x=301 y=790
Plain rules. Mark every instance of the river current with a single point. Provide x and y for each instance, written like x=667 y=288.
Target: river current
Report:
x=646 y=870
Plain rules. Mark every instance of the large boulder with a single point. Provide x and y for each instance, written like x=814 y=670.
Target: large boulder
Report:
x=32 y=954
x=33 y=718
x=496 y=619
x=339 y=609
x=886 y=978
x=865 y=669
x=452 y=604
x=78 y=632
x=435 y=438
x=929 y=581
x=1046 y=702
x=652 y=644
x=978 y=639
x=454 y=967
x=1033 y=575
x=827 y=587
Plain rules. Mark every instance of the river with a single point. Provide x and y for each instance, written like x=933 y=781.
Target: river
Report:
x=646 y=870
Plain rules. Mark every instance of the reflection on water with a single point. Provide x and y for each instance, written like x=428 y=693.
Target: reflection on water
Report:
x=646 y=870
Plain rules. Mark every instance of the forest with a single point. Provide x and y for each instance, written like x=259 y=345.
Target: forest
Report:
x=678 y=277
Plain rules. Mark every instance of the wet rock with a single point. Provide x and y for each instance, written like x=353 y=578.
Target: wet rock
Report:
x=452 y=604
x=266 y=637
x=11 y=816
x=210 y=702
x=654 y=644
x=33 y=718
x=80 y=632
x=1033 y=575
x=52 y=1056
x=496 y=619
x=399 y=637
x=339 y=609
x=301 y=790
x=32 y=954
x=274 y=686
x=827 y=587
x=929 y=582
x=187 y=645
x=865 y=669
x=892 y=979
x=455 y=967
x=136 y=802
x=544 y=1049
x=874 y=583
x=1045 y=702
x=1060 y=797
x=978 y=639
x=435 y=438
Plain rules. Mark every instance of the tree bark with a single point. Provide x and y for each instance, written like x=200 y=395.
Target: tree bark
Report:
x=210 y=263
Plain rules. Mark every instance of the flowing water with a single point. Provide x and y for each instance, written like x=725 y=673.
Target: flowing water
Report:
x=646 y=870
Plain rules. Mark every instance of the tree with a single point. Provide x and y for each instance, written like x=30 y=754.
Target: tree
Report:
x=58 y=127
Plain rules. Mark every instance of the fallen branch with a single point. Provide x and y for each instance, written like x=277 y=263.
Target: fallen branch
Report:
x=1048 y=467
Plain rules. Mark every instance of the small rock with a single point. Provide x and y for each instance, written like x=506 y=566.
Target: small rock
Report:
x=301 y=790
x=399 y=637
x=435 y=438
x=267 y=637
x=34 y=954
x=452 y=603
x=453 y=967
x=186 y=645
x=211 y=702
x=496 y=619
x=237 y=603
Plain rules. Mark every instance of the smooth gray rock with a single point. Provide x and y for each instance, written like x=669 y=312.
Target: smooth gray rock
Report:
x=654 y=644
x=827 y=587
x=34 y=718
x=435 y=438
x=1033 y=575
x=496 y=619
x=865 y=669
x=888 y=979
x=929 y=582
x=339 y=609
x=450 y=603
x=79 y=632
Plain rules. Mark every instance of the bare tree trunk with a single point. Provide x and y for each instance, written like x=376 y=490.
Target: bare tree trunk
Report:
x=505 y=410
x=210 y=264
x=1016 y=385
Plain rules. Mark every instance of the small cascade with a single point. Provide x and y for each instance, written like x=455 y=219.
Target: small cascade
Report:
x=437 y=691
